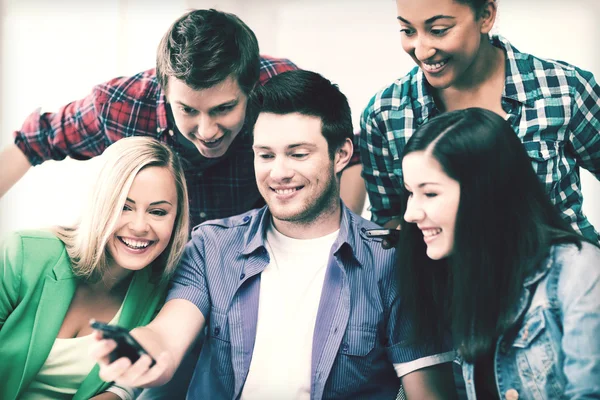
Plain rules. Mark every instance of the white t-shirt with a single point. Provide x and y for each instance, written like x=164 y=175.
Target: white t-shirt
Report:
x=290 y=292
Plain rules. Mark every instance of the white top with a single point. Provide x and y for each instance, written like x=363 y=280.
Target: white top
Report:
x=66 y=367
x=290 y=292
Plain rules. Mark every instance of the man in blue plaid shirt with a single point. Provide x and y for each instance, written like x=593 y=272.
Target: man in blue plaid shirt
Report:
x=553 y=107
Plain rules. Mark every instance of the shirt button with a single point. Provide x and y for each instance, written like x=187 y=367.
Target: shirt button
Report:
x=242 y=276
x=345 y=347
x=158 y=130
x=217 y=331
x=202 y=214
x=511 y=394
x=246 y=218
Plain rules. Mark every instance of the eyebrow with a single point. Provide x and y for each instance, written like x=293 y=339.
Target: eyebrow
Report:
x=228 y=103
x=153 y=203
x=420 y=185
x=289 y=147
x=430 y=20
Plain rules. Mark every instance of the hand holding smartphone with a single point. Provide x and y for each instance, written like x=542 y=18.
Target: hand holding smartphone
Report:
x=127 y=346
x=389 y=236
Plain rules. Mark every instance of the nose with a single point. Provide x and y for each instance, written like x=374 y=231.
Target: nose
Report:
x=138 y=223
x=414 y=213
x=207 y=127
x=280 y=171
x=423 y=49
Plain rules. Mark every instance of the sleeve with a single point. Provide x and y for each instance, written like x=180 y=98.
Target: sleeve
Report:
x=76 y=130
x=270 y=66
x=585 y=122
x=11 y=265
x=384 y=185
x=124 y=392
x=579 y=298
x=189 y=281
x=408 y=357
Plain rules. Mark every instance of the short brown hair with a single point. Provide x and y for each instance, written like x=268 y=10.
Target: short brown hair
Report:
x=204 y=47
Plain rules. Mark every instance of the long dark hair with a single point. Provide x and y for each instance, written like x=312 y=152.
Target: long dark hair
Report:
x=505 y=225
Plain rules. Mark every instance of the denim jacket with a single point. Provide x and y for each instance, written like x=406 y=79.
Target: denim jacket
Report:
x=553 y=352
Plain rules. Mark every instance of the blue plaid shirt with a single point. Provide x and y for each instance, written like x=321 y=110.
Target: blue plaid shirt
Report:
x=359 y=330
x=553 y=107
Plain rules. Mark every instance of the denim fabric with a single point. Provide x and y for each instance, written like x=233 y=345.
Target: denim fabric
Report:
x=553 y=352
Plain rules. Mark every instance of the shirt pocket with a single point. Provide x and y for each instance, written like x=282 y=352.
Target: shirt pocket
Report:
x=220 y=345
x=355 y=362
x=536 y=353
x=358 y=342
x=545 y=160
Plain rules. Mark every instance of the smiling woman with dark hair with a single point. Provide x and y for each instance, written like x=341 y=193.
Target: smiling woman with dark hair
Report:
x=483 y=250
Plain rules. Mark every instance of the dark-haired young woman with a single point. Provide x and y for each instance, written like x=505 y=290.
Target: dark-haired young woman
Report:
x=551 y=106
x=483 y=250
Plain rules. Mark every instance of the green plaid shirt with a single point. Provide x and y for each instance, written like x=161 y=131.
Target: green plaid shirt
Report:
x=553 y=107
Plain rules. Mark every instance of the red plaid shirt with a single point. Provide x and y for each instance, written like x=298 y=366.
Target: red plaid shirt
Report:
x=136 y=106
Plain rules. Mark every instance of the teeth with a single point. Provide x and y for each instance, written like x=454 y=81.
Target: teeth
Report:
x=431 y=232
x=433 y=67
x=136 y=244
x=285 y=191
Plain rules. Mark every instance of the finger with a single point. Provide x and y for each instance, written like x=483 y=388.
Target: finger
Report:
x=131 y=376
x=158 y=371
x=101 y=350
x=113 y=371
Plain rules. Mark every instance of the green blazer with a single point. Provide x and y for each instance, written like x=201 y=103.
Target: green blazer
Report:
x=36 y=288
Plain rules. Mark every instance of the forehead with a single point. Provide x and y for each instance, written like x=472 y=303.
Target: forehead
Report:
x=422 y=10
x=227 y=90
x=153 y=184
x=419 y=167
x=274 y=130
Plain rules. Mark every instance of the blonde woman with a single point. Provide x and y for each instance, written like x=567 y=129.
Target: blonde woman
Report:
x=112 y=266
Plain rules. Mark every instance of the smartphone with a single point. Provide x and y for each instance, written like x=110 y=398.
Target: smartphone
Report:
x=384 y=233
x=127 y=346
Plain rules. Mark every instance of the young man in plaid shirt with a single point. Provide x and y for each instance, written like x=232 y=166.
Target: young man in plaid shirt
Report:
x=553 y=107
x=195 y=100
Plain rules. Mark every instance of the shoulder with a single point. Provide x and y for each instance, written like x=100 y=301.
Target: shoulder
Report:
x=397 y=96
x=546 y=74
x=575 y=270
x=228 y=227
x=26 y=240
x=368 y=250
x=139 y=87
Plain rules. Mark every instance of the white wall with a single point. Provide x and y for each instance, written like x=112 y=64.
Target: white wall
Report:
x=54 y=52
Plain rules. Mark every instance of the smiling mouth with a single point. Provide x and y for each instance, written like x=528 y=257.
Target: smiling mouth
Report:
x=286 y=191
x=434 y=67
x=212 y=143
x=136 y=244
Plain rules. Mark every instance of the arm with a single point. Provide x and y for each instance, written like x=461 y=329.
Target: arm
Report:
x=435 y=382
x=584 y=125
x=13 y=165
x=167 y=338
x=11 y=265
x=383 y=183
x=578 y=294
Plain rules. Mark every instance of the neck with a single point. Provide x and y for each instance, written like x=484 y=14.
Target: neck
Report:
x=487 y=63
x=113 y=280
x=327 y=221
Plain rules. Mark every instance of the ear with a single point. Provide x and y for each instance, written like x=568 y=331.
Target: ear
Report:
x=343 y=155
x=487 y=16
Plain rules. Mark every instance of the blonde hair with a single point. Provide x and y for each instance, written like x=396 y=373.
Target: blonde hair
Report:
x=86 y=242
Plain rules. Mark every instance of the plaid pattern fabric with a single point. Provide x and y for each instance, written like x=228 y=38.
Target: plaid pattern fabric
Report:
x=553 y=107
x=132 y=106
